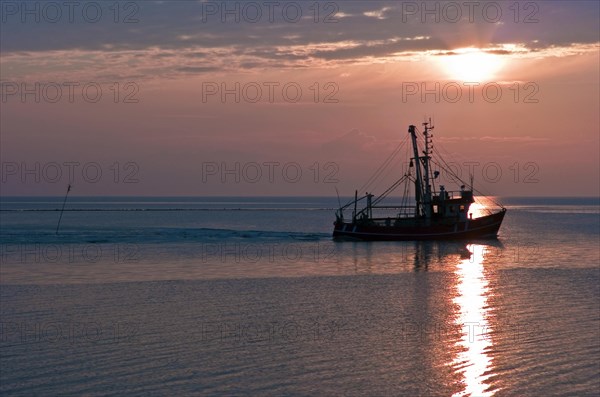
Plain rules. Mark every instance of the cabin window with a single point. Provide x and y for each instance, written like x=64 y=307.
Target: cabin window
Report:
x=435 y=209
x=462 y=208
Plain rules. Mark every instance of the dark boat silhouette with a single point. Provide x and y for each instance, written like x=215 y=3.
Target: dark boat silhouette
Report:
x=436 y=214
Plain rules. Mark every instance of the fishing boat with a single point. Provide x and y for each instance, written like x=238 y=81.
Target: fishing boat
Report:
x=434 y=213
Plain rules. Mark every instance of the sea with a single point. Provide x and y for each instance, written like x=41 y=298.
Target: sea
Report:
x=230 y=296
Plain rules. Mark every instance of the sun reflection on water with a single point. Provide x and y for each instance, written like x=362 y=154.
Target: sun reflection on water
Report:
x=473 y=361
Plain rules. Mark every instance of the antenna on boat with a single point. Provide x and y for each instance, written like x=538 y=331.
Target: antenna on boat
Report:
x=472 y=178
x=63 y=208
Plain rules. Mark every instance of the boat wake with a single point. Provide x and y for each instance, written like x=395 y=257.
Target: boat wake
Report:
x=155 y=236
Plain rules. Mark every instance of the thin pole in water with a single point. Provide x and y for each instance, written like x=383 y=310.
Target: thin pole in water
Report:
x=63 y=208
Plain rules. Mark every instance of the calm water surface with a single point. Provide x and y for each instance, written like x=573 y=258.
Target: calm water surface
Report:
x=231 y=296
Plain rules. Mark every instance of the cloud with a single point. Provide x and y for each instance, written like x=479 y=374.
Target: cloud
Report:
x=172 y=38
x=196 y=69
x=350 y=143
x=498 y=139
x=183 y=24
x=378 y=14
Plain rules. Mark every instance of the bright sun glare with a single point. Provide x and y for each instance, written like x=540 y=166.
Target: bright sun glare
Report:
x=472 y=65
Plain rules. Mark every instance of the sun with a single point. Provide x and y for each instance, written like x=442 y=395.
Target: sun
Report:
x=471 y=65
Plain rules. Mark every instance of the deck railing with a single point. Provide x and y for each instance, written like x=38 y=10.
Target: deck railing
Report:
x=391 y=211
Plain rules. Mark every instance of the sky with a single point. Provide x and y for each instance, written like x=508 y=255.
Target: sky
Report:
x=171 y=98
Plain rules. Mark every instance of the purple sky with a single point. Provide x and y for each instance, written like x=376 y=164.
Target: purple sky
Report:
x=314 y=101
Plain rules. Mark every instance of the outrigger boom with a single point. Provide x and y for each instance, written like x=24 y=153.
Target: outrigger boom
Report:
x=435 y=215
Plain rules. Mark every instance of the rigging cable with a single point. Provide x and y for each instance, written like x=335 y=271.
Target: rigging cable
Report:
x=447 y=168
x=383 y=166
x=457 y=177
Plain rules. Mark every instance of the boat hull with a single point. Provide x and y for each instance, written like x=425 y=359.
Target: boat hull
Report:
x=485 y=227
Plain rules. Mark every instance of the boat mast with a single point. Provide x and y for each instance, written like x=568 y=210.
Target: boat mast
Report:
x=355 y=201
x=426 y=166
x=417 y=163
